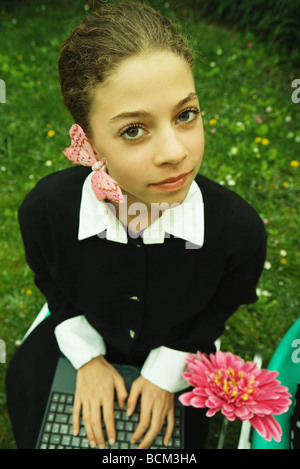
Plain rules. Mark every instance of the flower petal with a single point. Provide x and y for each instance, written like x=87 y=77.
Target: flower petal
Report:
x=186 y=398
x=267 y=427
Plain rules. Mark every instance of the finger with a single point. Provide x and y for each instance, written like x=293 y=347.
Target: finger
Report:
x=109 y=421
x=87 y=426
x=151 y=434
x=147 y=440
x=96 y=426
x=76 y=415
x=94 y=434
x=157 y=421
x=121 y=392
x=144 y=422
x=132 y=399
x=170 y=427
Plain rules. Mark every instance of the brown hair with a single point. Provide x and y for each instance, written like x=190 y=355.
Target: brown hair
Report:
x=97 y=46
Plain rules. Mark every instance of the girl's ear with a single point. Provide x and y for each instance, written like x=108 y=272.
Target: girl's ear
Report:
x=94 y=149
x=97 y=155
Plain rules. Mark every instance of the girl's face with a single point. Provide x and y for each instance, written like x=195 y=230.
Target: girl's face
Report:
x=146 y=123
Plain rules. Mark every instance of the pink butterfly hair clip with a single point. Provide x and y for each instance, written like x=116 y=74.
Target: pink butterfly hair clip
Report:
x=81 y=152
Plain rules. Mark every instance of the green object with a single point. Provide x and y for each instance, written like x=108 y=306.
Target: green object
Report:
x=284 y=360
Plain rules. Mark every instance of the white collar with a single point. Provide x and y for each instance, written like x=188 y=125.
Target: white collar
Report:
x=185 y=221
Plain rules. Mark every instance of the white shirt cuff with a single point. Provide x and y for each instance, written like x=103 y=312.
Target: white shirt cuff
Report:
x=164 y=367
x=79 y=341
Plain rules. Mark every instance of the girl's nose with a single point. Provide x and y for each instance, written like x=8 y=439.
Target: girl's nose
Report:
x=170 y=148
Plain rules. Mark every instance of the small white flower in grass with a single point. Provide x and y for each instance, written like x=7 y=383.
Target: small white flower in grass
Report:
x=266 y=293
x=240 y=125
x=260 y=292
x=231 y=182
x=233 y=151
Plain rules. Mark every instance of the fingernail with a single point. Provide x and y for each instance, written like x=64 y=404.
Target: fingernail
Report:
x=111 y=441
x=92 y=444
x=128 y=412
x=75 y=432
x=101 y=446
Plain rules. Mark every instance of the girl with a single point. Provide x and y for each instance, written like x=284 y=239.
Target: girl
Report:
x=141 y=260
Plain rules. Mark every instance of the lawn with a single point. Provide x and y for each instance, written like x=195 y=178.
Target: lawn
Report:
x=252 y=131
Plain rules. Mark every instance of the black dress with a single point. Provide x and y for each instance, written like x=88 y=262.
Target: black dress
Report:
x=185 y=295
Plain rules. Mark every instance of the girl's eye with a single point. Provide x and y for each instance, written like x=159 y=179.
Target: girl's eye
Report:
x=132 y=132
x=188 y=115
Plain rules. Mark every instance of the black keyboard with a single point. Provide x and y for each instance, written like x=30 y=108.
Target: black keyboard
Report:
x=57 y=432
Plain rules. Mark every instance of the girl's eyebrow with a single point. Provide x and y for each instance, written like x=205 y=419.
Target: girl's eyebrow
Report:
x=138 y=114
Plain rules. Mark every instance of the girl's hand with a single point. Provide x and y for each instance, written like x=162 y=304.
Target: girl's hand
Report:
x=156 y=406
x=96 y=384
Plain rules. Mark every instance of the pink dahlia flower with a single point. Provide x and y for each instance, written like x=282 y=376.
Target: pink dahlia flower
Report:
x=223 y=381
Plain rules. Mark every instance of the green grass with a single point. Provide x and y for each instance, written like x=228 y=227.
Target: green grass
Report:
x=245 y=94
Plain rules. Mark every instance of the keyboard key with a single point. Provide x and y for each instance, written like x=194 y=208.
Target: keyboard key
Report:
x=64 y=429
x=120 y=425
x=45 y=437
x=55 y=428
x=129 y=426
x=50 y=417
x=58 y=431
x=48 y=427
x=84 y=443
x=124 y=445
x=66 y=440
x=55 y=439
x=75 y=441
x=68 y=409
x=61 y=418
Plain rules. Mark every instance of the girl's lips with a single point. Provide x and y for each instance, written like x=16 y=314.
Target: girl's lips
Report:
x=172 y=184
